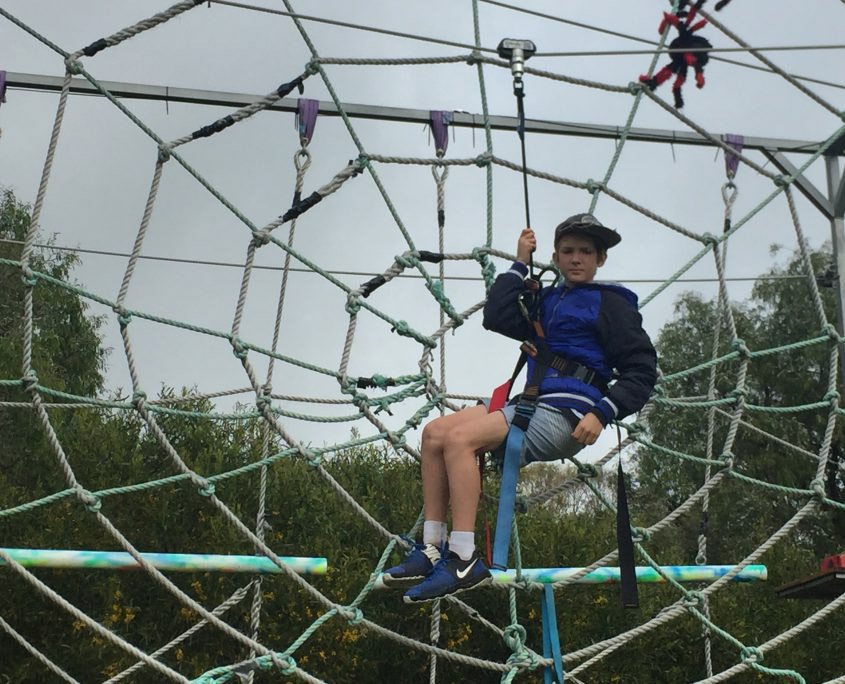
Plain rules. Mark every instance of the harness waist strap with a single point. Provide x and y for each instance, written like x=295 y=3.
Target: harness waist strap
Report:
x=564 y=366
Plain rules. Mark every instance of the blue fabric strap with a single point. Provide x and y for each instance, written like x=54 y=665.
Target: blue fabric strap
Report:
x=551 y=640
x=507 y=492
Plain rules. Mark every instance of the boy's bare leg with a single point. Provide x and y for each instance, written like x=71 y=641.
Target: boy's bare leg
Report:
x=434 y=476
x=463 y=441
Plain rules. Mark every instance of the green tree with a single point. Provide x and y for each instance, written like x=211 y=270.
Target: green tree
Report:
x=742 y=515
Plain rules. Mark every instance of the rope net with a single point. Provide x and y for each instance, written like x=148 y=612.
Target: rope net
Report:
x=725 y=406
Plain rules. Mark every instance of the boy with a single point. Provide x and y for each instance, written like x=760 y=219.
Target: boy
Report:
x=596 y=328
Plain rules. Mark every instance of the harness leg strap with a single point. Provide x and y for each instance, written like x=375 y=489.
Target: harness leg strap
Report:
x=551 y=639
x=507 y=492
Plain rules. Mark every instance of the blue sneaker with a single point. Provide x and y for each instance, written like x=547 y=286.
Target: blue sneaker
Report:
x=451 y=575
x=417 y=564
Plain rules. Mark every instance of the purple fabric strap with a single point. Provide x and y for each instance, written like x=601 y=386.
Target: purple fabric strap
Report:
x=731 y=160
x=306 y=117
x=2 y=86
x=440 y=121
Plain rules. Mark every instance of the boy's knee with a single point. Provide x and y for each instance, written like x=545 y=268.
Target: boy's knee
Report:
x=434 y=433
x=458 y=438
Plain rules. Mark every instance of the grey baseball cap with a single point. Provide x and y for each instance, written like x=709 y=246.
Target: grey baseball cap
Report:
x=587 y=224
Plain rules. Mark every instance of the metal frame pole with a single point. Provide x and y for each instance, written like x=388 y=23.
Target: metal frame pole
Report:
x=836 y=196
x=461 y=119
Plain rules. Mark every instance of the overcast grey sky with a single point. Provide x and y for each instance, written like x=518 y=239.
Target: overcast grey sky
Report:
x=104 y=165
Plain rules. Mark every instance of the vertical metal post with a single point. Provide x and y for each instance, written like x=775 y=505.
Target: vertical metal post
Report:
x=837 y=233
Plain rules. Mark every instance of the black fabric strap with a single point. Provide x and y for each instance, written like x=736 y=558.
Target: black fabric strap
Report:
x=627 y=571
x=567 y=367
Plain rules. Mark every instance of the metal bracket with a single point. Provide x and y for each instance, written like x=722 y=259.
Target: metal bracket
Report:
x=805 y=187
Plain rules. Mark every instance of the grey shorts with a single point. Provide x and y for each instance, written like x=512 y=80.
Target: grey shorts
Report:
x=548 y=438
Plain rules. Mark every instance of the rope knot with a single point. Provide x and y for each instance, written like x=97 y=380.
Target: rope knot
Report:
x=488 y=268
x=483 y=159
x=709 y=239
x=738 y=393
x=833 y=397
x=238 y=348
x=382 y=404
x=830 y=330
x=353 y=615
x=594 y=186
x=314 y=460
x=406 y=260
x=29 y=278
x=91 y=501
x=634 y=428
x=312 y=67
x=727 y=459
x=164 y=151
x=414 y=421
x=693 y=599
x=261 y=237
x=123 y=315
x=522 y=581
x=751 y=654
x=401 y=327
x=29 y=381
x=263 y=401
x=514 y=638
x=288 y=668
x=207 y=489
x=74 y=66
x=139 y=398
x=361 y=162
x=738 y=345
x=817 y=487
x=586 y=471
x=474 y=57
x=781 y=181
x=353 y=302
x=635 y=87
x=396 y=440
x=640 y=534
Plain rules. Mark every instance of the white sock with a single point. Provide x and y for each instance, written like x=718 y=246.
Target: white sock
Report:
x=462 y=543
x=434 y=532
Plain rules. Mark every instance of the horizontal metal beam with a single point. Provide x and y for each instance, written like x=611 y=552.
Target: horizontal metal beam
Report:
x=810 y=191
x=610 y=575
x=401 y=114
x=170 y=562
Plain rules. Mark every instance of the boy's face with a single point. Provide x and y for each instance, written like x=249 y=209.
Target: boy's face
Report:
x=577 y=259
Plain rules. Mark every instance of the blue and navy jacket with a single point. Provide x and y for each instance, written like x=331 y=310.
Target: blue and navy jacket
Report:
x=596 y=324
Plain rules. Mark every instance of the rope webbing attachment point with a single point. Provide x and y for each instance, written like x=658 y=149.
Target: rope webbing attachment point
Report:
x=439 y=122
x=306 y=118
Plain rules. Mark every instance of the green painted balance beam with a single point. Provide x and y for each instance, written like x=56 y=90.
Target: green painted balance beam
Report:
x=174 y=562
x=645 y=574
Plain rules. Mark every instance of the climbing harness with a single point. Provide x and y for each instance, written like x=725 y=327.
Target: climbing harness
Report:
x=545 y=359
